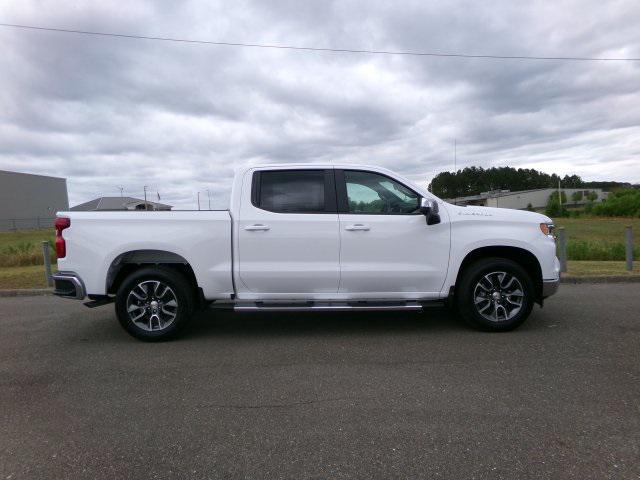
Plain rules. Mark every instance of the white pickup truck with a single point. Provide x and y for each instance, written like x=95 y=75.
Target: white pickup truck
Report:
x=309 y=237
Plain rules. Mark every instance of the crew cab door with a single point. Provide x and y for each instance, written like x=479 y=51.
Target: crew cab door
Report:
x=387 y=248
x=288 y=238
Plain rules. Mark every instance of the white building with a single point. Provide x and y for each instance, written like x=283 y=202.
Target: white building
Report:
x=535 y=199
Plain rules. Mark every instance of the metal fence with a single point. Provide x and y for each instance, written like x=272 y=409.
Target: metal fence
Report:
x=14 y=224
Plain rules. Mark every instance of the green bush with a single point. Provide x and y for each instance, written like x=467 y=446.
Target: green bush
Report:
x=623 y=203
x=554 y=208
x=576 y=196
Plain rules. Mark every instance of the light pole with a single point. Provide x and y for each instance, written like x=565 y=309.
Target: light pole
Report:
x=198 y=200
x=146 y=205
x=209 y=198
x=559 y=197
x=455 y=155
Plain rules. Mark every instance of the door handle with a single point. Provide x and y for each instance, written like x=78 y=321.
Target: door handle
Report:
x=356 y=227
x=257 y=227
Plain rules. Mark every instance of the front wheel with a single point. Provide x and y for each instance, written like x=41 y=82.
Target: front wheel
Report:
x=154 y=303
x=495 y=294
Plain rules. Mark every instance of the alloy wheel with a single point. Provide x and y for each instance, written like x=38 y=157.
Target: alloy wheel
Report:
x=498 y=296
x=152 y=305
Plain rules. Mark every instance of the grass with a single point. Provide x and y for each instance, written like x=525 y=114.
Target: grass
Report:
x=598 y=229
x=596 y=269
x=598 y=238
x=24 y=247
x=21 y=236
x=31 y=276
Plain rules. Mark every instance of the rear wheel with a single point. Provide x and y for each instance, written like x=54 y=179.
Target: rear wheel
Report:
x=154 y=303
x=495 y=294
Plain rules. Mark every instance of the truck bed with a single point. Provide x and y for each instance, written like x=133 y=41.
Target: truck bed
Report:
x=201 y=238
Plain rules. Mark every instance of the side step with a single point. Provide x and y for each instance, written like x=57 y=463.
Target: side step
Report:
x=325 y=306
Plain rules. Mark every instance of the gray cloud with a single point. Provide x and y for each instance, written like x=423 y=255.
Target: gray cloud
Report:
x=106 y=112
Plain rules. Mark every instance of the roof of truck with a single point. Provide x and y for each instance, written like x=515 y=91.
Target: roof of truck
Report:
x=315 y=165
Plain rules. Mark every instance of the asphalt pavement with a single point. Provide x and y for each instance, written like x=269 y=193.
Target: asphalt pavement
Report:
x=369 y=395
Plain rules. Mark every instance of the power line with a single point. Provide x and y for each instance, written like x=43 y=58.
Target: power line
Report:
x=319 y=49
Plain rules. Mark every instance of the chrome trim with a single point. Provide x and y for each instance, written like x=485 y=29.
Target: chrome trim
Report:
x=549 y=287
x=323 y=306
x=77 y=283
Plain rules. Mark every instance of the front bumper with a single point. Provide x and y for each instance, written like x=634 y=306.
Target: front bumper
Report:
x=68 y=285
x=549 y=287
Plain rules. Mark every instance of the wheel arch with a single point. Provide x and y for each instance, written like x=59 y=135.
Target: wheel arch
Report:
x=128 y=262
x=523 y=257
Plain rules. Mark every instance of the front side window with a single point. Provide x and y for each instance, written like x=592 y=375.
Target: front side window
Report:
x=288 y=191
x=372 y=193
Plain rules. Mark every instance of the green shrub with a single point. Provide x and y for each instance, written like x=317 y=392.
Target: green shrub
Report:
x=623 y=203
x=554 y=208
x=576 y=196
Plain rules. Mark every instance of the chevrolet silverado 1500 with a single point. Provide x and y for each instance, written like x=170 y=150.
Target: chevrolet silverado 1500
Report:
x=309 y=237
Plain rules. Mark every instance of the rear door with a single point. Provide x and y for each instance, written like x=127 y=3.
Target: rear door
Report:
x=387 y=248
x=288 y=236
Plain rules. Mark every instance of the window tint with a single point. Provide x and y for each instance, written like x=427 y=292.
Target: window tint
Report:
x=299 y=191
x=369 y=192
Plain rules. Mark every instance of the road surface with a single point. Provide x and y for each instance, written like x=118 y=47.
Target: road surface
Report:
x=382 y=395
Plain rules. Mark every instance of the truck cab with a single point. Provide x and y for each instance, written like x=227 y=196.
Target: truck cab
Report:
x=310 y=237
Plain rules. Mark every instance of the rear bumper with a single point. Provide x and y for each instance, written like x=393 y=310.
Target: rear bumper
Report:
x=549 y=287
x=68 y=285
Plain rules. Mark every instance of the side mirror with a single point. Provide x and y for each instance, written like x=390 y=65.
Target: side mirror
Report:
x=429 y=208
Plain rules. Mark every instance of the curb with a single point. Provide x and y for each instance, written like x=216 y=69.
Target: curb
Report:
x=26 y=292
x=601 y=279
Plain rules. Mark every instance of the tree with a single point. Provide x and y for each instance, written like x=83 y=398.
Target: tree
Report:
x=555 y=208
x=571 y=181
x=576 y=196
x=475 y=180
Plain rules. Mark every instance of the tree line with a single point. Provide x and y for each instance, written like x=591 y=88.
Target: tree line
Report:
x=475 y=180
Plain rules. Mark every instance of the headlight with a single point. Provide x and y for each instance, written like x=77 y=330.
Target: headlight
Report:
x=547 y=228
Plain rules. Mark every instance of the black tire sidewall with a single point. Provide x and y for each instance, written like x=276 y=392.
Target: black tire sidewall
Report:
x=178 y=284
x=471 y=276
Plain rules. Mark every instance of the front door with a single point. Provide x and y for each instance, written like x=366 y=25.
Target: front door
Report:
x=288 y=239
x=387 y=248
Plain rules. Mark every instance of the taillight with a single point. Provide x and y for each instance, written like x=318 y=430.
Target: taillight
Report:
x=61 y=248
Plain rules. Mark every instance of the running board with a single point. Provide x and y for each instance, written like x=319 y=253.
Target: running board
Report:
x=325 y=306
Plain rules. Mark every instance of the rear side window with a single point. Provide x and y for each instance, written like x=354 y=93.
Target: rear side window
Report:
x=293 y=191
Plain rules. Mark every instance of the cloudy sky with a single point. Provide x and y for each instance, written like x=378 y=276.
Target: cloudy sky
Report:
x=109 y=112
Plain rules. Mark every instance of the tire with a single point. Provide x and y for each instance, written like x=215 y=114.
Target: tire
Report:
x=495 y=294
x=154 y=303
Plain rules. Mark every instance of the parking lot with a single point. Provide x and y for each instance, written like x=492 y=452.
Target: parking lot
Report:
x=366 y=395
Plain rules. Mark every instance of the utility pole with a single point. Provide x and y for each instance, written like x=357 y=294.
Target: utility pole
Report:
x=198 y=200
x=559 y=196
x=455 y=155
x=146 y=205
x=209 y=198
